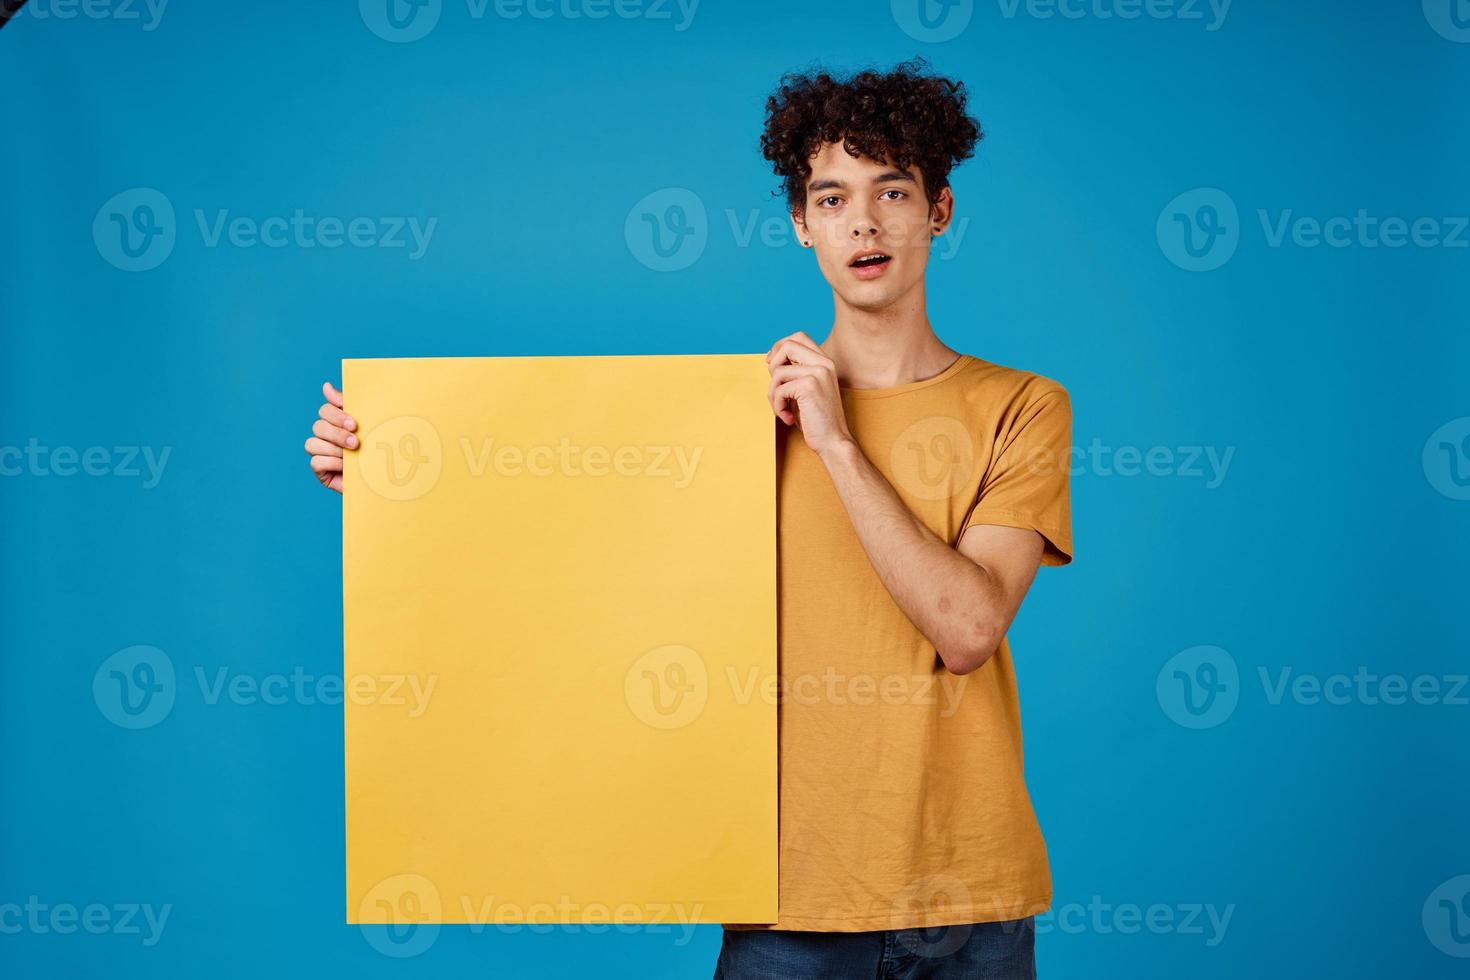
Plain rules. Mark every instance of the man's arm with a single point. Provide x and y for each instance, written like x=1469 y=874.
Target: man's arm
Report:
x=962 y=599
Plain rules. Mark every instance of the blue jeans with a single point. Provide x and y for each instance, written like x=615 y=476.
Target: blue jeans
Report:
x=983 y=951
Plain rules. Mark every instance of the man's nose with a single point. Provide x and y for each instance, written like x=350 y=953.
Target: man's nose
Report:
x=863 y=228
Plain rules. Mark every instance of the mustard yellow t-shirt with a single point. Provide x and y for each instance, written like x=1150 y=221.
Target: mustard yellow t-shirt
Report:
x=902 y=800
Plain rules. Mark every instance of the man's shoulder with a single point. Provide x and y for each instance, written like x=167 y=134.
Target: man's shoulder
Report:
x=996 y=383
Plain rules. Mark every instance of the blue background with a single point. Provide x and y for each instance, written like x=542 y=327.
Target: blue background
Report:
x=1328 y=546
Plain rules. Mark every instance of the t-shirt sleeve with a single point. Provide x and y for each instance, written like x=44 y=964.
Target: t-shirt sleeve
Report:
x=1027 y=485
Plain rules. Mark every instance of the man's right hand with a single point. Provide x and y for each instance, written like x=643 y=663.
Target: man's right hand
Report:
x=331 y=433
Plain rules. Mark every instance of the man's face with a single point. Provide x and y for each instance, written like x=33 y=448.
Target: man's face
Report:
x=870 y=224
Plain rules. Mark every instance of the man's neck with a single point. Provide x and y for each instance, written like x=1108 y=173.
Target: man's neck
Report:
x=885 y=348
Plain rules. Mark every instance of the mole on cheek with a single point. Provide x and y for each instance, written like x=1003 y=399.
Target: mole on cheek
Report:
x=944 y=604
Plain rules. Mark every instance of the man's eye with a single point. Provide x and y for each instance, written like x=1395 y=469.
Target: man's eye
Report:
x=897 y=195
x=826 y=202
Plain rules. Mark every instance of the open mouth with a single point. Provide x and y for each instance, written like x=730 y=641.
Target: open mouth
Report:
x=871 y=259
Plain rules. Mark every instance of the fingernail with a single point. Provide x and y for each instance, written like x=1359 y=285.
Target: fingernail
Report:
x=352 y=442
x=351 y=422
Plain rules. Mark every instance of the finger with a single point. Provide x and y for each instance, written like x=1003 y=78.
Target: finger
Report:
x=782 y=373
x=321 y=447
x=783 y=407
x=333 y=395
x=788 y=395
x=793 y=389
x=326 y=464
x=783 y=411
x=334 y=415
x=801 y=337
x=795 y=338
x=788 y=339
x=788 y=372
x=335 y=483
x=778 y=406
x=323 y=429
x=807 y=351
x=790 y=352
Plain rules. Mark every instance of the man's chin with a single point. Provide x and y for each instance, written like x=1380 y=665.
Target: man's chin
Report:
x=870 y=297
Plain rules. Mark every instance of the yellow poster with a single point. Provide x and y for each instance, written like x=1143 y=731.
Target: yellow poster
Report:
x=559 y=597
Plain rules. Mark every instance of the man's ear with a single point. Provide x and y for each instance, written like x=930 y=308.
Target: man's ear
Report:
x=798 y=222
x=941 y=212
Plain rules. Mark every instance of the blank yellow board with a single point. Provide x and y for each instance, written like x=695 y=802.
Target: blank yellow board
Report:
x=559 y=597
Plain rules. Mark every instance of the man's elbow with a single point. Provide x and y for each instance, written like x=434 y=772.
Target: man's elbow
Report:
x=974 y=648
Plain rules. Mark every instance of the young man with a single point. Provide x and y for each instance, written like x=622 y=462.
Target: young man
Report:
x=920 y=489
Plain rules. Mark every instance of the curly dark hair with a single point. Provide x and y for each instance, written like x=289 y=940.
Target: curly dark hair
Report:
x=907 y=116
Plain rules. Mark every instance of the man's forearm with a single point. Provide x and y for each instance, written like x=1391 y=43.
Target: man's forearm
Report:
x=957 y=604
